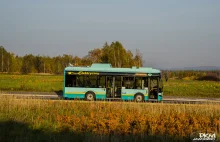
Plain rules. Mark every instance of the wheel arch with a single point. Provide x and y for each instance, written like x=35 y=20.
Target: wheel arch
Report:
x=139 y=93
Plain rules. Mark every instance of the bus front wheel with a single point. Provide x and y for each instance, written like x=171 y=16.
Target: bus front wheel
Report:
x=139 y=98
x=90 y=96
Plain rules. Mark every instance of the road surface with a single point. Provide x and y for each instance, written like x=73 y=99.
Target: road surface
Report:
x=58 y=95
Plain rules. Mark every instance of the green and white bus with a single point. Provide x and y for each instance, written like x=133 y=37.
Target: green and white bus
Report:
x=102 y=81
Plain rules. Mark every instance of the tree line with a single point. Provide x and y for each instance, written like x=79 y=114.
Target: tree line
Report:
x=113 y=53
x=213 y=75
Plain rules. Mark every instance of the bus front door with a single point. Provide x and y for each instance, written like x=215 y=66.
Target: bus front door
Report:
x=155 y=88
x=113 y=89
x=110 y=85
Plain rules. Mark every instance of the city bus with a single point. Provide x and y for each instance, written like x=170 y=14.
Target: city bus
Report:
x=102 y=81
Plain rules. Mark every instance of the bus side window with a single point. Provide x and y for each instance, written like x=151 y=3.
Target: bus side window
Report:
x=128 y=82
x=88 y=82
x=70 y=80
x=91 y=81
x=79 y=81
x=101 y=81
x=74 y=82
x=138 y=82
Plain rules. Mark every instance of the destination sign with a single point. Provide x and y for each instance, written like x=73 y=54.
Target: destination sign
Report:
x=83 y=73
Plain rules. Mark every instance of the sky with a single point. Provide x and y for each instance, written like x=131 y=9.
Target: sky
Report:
x=169 y=34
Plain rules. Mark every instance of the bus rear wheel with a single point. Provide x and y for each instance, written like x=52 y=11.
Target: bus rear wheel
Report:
x=90 y=96
x=139 y=98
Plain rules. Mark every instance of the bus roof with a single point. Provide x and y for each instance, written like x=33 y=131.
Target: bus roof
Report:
x=99 y=67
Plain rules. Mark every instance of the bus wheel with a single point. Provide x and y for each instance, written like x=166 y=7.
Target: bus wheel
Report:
x=139 y=98
x=90 y=96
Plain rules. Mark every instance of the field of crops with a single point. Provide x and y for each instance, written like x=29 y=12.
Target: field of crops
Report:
x=50 y=120
x=50 y=83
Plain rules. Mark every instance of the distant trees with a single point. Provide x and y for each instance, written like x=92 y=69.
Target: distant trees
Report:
x=28 y=64
x=39 y=64
x=16 y=63
x=95 y=55
x=193 y=74
x=138 y=61
x=6 y=59
x=115 y=54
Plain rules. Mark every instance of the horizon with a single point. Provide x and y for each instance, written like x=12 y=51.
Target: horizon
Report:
x=169 y=34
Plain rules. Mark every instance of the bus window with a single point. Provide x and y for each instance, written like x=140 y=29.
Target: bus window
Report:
x=153 y=83
x=70 y=81
x=91 y=81
x=80 y=81
x=101 y=81
x=128 y=82
x=140 y=82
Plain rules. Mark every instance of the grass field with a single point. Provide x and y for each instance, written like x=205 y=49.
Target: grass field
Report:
x=50 y=120
x=37 y=83
x=50 y=83
x=192 y=88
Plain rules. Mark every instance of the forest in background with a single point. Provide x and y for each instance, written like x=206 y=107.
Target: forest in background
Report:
x=113 y=53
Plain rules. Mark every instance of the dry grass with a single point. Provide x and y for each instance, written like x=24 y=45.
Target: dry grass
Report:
x=100 y=121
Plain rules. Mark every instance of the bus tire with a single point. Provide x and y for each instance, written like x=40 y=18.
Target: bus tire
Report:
x=90 y=96
x=65 y=98
x=139 y=97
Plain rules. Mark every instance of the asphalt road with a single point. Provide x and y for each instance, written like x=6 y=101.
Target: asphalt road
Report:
x=58 y=95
